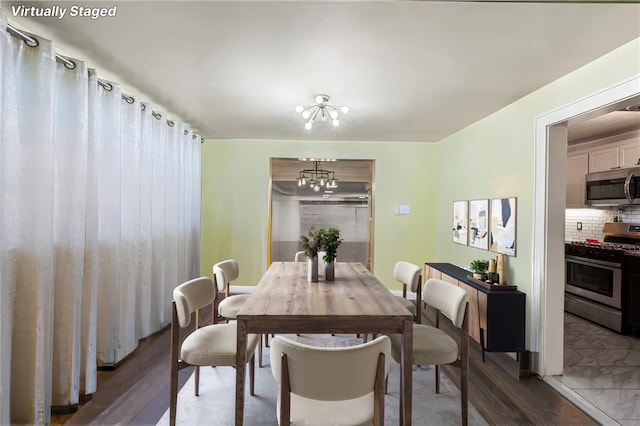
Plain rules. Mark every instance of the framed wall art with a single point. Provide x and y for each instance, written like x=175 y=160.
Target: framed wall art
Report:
x=479 y=224
x=460 y=222
x=503 y=226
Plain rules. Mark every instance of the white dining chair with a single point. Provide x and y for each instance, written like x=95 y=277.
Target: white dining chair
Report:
x=410 y=276
x=330 y=385
x=227 y=308
x=433 y=346
x=208 y=345
x=223 y=273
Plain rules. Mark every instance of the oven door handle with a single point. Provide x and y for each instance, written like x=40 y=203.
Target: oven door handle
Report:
x=593 y=262
x=627 y=183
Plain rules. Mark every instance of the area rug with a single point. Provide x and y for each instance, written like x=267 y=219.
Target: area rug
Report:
x=216 y=403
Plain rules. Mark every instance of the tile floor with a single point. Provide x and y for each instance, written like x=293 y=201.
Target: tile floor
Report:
x=603 y=369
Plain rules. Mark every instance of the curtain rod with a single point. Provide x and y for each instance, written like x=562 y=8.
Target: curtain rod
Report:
x=71 y=64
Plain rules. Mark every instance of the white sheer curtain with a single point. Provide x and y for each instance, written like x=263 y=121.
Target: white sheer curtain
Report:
x=26 y=237
x=69 y=213
x=99 y=221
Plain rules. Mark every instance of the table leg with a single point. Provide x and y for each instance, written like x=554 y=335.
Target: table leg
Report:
x=407 y=373
x=241 y=347
x=401 y=398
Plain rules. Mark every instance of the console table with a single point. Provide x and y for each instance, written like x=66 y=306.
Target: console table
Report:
x=496 y=318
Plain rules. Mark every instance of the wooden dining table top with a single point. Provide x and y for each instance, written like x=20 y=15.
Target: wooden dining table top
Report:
x=284 y=292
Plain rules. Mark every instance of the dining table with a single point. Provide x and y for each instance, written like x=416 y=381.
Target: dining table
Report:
x=285 y=302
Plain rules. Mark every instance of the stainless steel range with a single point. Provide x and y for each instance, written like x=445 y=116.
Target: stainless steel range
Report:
x=594 y=275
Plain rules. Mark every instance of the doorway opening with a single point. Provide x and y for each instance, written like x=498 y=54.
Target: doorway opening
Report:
x=294 y=209
x=551 y=138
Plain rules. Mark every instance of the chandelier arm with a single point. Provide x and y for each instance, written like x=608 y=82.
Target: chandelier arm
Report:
x=310 y=107
x=316 y=175
x=323 y=108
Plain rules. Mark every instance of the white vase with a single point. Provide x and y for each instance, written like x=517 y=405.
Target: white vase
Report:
x=329 y=271
x=321 y=262
x=312 y=269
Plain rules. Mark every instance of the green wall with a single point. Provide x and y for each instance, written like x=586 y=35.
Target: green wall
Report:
x=235 y=184
x=494 y=158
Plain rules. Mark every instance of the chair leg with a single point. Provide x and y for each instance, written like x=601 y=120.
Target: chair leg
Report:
x=173 y=386
x=285 y=392
x=252 y=372
x=437 y=378
x=260 y=351
x=197 y=382
x=173 y=398
x=464 y=378
x=464 y=397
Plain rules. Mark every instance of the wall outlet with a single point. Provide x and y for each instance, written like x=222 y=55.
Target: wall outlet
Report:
x=579 y=226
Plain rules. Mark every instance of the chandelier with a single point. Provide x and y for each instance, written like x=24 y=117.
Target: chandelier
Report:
x=317 y=177
x=321 y=109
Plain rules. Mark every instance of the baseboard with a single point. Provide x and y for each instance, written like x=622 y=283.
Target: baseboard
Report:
x=516 y=367
x=111 y=366
x=57 y=410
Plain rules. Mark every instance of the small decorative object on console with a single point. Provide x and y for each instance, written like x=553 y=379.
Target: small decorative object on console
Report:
x=479 y=268
x=492 y=287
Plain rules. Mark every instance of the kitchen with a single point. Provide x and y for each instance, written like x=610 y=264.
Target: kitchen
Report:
x=602 y=258
x=603 y=152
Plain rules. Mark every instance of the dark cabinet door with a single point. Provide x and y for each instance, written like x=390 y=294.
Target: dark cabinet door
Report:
x=632 y=302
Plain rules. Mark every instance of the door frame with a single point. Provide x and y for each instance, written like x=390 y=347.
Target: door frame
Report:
x=370 y=207
x=547 y=316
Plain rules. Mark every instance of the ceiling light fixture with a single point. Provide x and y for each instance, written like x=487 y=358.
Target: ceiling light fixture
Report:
x=317 y=178
x=321 y=109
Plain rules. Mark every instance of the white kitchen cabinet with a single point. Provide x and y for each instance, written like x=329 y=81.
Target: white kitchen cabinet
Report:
x=577 y=167
x=604 y=159
x=614 y=156
x=629 y=154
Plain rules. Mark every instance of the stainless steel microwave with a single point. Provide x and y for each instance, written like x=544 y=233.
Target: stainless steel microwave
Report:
x=613 y=187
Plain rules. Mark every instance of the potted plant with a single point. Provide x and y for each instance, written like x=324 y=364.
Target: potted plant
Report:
x=330 y=242
x=479 y=267
x=311 y=243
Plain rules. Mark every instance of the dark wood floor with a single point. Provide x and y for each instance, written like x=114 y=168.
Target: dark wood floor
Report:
x=137 y=392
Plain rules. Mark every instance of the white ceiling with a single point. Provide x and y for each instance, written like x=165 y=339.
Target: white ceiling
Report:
x=409 y=70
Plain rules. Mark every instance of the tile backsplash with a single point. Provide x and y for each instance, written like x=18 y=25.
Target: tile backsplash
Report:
x=593 y=221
